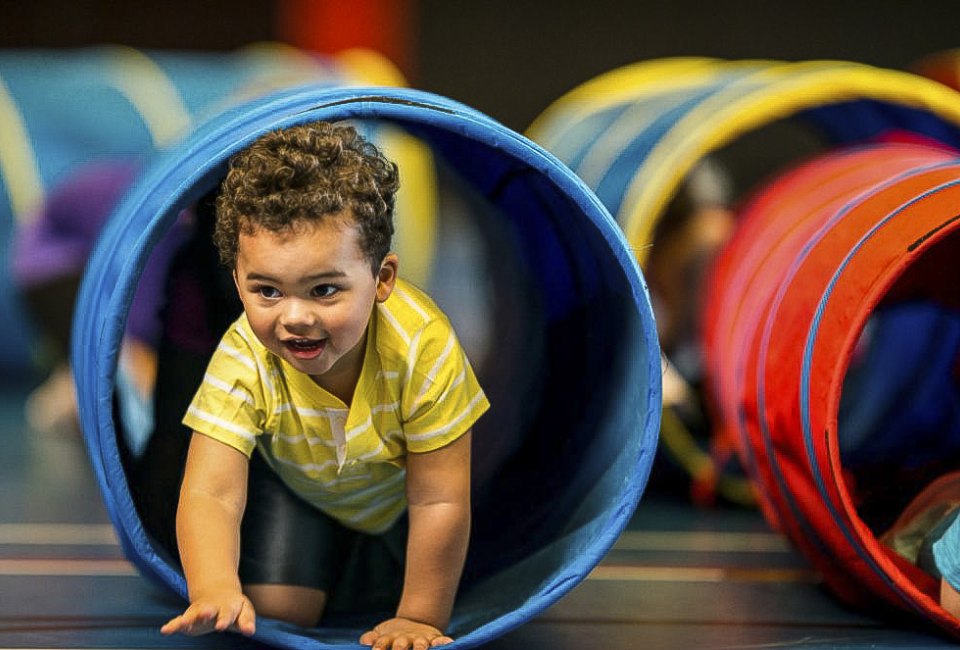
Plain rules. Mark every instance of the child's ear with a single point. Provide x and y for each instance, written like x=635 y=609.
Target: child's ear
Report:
x=387 y=276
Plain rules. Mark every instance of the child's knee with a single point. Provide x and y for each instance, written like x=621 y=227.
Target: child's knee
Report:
x=301 y=606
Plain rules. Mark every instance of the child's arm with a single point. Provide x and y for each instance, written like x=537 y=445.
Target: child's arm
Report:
x=438 y=494
x=212 y=500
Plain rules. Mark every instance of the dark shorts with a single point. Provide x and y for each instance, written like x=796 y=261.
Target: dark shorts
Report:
x=284 y=540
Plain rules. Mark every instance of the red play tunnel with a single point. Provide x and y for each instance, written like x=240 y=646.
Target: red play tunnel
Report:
x=832 y=329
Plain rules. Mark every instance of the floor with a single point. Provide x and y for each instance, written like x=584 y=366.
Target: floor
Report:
x=678 y=578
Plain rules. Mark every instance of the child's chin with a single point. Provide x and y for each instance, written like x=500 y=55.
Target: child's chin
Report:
x=313 y=366
x=309 y=366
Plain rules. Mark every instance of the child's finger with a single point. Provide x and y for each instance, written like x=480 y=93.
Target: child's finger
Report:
x=421 y=643
x=199 y=619
x=226 y=618
x=441 y=640
x=172 y=626
x=181 y=623
x=385 y=642
x=401 y=642
x=201 y=627
x=246 y=619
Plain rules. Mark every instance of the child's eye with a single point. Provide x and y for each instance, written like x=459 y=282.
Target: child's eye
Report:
x=324 y=290
x=268 y=292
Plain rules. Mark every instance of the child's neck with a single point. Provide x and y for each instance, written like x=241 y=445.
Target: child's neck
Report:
x=342 y=390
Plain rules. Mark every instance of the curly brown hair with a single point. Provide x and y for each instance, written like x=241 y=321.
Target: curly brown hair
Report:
x=306 y=173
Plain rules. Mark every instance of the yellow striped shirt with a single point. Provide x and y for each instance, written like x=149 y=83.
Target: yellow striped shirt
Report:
x=416 y=392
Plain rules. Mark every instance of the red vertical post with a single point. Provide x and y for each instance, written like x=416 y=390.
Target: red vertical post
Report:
x=330 y=26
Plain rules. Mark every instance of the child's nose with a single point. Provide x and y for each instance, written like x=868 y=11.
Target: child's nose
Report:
x=298 y=314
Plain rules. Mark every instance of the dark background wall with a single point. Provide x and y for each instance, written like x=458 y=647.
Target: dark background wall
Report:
x=511 y=58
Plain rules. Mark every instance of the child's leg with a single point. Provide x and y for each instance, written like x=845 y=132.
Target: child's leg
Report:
x=301 y=606
x=290 y=553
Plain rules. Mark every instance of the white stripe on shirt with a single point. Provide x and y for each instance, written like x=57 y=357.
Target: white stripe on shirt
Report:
x=432 y=374
x=250 y=436
x=309 y=467
x=327 y=414
x=237 y=355
x=407 y=298
x=412 y=353
x=229 y=389
x=262 y=371
x=359 y=429
x=371 y=491
x=426 y=435
x=388 y=315
x=311 y=440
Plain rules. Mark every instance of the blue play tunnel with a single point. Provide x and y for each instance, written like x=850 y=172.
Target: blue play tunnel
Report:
x=571 y=364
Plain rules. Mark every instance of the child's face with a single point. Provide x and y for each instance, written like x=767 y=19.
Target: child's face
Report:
x=309 y=294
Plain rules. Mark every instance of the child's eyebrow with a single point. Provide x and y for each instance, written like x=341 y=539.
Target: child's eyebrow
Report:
x=326 y=275
x=316 y=277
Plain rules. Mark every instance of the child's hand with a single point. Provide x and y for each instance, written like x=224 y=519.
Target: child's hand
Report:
x=398 y=633
x=215 y=613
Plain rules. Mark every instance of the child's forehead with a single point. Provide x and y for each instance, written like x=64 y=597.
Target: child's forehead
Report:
x=307 y=239
x=343 y=222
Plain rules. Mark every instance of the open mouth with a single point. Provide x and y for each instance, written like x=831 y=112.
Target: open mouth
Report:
x=305 y=348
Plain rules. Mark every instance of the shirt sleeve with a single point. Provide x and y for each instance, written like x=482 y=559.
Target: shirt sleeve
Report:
x=442 y=398
x=229 y=405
